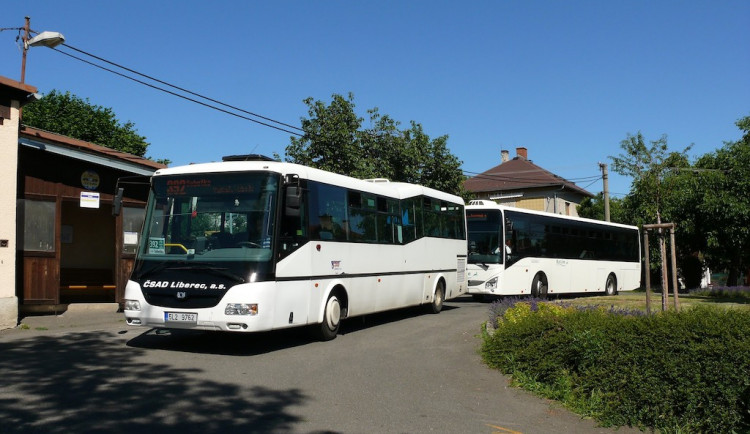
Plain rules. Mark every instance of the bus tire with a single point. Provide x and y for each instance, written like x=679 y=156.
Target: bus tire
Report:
x=610 y=288
x=329 y=328
x=539 y=286
x=437 y=301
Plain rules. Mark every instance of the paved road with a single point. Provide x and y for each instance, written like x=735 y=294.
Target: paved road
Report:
x=399 y=372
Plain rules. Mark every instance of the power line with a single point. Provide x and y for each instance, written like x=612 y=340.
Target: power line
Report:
x=288 y=130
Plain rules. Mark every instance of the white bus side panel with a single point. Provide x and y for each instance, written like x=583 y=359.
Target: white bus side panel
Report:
x=563 y=276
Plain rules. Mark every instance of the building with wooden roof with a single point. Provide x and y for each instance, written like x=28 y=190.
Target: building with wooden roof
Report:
x=520 y=183
x=59 y=240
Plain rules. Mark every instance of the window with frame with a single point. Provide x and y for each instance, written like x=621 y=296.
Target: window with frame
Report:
x=132 y=224
x=38 y=220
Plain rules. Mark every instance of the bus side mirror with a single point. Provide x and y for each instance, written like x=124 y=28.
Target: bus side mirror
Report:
x=292 y=201
x=117 y=202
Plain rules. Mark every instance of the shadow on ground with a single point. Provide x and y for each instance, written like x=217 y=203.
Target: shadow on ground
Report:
x=251 y=344
x=88 y=382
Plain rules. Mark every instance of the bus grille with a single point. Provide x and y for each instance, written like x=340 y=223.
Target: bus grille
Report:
x=475 y=282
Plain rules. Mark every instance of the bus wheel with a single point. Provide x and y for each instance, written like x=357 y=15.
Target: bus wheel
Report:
x=539 y=286
x=610 y=288
x=329 y=328
x=437 y=302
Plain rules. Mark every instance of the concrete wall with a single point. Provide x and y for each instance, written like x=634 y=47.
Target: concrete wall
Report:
x=8 y=171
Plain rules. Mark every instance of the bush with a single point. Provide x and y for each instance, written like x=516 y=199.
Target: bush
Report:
x=733 y=293
x=685 y=371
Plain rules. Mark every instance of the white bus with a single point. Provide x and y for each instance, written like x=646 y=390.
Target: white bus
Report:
x=248 y=246
x=513 y=251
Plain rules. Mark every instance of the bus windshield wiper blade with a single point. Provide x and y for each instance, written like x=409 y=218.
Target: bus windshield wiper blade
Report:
x=158 y=267
x=216 y=270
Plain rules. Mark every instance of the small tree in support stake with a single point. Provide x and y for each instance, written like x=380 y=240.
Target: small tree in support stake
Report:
x=661 y=227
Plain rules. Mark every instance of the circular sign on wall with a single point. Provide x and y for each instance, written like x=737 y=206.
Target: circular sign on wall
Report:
x=90 y=180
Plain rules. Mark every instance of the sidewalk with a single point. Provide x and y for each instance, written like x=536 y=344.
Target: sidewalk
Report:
x=77 y=317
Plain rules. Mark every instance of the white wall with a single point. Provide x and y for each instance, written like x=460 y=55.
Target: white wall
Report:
x=8 y=173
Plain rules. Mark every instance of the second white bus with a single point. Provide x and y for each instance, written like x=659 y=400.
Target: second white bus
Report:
x=513 y=251
x=248 y=246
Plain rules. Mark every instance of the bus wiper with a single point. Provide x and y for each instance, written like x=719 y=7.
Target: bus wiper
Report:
x=158 y=267
x=216 y=270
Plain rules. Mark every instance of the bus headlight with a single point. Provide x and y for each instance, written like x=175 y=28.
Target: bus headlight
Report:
x=132 y=305
x=241 y=309
x=491 y=284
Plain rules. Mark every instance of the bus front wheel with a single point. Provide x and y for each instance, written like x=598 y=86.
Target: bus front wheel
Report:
x=329 y=328
x=610 y=288
x=437 y=302
x=539 y=286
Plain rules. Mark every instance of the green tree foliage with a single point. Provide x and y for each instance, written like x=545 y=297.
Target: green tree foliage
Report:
x=336 y=140
x=721 y=205
x=69 y=115
x=708 y=201
x=650 y=166
x=593 y=208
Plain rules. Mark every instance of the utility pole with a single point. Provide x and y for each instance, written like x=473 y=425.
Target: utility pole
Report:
x=605 y=178
x=25 y=48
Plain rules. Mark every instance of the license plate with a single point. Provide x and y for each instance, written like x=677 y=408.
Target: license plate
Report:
x=181 y=317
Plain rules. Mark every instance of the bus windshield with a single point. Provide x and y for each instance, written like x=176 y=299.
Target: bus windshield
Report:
x=211 y=217
x=485 y=236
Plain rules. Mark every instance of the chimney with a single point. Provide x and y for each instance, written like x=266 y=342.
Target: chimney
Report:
x=504 y=156
x=522 y=153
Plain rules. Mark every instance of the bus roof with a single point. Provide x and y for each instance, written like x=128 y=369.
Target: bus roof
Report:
x=380 y=186
x=486 y=204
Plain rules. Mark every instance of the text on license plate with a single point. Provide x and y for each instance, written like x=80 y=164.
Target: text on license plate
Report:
x=180 y=317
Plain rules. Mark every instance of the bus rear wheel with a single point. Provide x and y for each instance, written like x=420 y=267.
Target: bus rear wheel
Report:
x=539 y=286
x=610 y=288
x=437 y=302
x=329 y=328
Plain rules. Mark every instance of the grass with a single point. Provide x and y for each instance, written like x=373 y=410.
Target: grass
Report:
x=637 y=300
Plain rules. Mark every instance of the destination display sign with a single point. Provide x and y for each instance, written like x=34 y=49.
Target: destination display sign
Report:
x=208 y=184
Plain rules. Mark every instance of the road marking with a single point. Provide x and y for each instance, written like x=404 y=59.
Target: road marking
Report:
x=504 y=429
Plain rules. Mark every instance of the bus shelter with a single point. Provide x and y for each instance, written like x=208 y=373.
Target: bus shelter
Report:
x=71 y=248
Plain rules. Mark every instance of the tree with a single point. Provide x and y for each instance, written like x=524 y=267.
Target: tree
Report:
x=331 y=139
x=722 y=205
x=650 y=167
x=72 y=116
x=593 y=208
x=335 y=140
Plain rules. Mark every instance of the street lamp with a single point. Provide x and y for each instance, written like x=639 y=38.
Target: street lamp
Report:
x=46 y=39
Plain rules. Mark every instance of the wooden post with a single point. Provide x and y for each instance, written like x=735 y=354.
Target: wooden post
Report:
x=673 y=249
x=647 y=266
x=664 y=279
x=663 y=252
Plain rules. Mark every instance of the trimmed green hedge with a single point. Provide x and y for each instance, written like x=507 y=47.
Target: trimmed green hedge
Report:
x=686 y=371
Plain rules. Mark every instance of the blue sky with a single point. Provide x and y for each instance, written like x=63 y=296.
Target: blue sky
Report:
x=568 y=80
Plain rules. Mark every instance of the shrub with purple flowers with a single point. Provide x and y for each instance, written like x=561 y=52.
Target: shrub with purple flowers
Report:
x=685 y=371
x=499 y=309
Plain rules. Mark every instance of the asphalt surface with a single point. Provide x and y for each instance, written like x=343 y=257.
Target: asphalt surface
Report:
x=77 y=317
x=85 y=367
